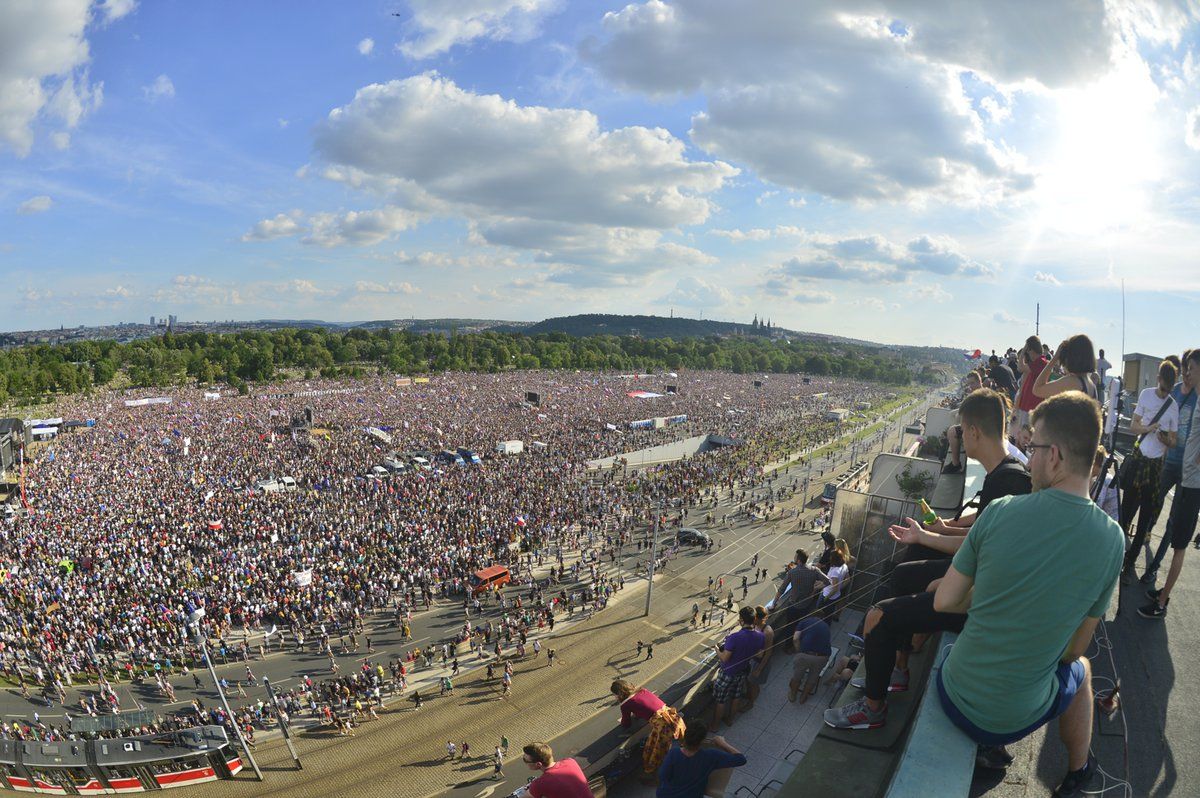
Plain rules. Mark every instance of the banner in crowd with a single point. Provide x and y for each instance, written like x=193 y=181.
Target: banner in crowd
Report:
x=303 y=578
x=212 y=395
x=325 y=392
x=158 y=400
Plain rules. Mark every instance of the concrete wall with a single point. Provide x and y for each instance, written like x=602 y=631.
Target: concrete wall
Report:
x=663 y=453
x=885 y=467
x=938 y=420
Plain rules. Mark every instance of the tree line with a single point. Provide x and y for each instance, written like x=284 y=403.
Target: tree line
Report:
x=237 y=359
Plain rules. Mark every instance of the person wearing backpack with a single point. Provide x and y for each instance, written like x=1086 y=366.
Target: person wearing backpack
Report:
x=1156 y=423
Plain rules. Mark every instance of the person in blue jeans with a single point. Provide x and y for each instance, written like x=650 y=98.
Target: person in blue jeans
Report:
x=1184 y=394
x=685 y=771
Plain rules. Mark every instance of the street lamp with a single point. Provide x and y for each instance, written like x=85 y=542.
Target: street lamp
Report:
x=193 y=622
x=653 y=558
x=283 y=727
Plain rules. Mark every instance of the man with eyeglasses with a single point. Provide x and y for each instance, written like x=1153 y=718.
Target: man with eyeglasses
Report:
x=559 y=779
x=1036 y=574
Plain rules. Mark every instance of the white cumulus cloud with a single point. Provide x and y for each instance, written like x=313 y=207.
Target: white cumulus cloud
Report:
x=278 y=226
x=112 y=10
x=354 y=228
x=44 y=57
x=548 y=181
x=161 y=88
x=38 y=204
x=1047 y=277
x=366 y=46
x=439 y=25
x=368 y=287
x=856 y=100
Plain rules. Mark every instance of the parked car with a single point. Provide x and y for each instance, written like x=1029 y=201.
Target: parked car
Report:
x=692 y=537
x=449 y=458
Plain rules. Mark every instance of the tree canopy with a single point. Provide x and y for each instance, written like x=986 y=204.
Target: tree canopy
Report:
x=260 y=356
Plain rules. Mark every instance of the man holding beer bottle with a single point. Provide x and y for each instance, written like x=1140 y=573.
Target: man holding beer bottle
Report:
x=890 y=626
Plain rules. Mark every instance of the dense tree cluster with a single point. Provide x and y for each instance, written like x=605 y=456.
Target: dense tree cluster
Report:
x=240 y=358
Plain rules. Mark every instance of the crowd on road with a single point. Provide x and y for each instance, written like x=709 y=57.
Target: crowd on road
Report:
x=134 y=524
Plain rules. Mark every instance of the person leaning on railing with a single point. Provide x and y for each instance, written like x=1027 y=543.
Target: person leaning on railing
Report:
x=664 y=721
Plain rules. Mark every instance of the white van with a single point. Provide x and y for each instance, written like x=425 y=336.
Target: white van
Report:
x=268 y=485
x=288 y=484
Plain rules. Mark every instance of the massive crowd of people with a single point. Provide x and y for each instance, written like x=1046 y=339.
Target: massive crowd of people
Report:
x=153 y=513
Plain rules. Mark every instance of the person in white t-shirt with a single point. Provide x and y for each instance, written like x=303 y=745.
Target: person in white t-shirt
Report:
x=1156 y=434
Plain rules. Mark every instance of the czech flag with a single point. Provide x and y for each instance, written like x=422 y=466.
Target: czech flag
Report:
x=973 y=355
x=521 y=521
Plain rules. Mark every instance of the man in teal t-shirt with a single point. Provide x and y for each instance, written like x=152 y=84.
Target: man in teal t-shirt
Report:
x=1036 y=574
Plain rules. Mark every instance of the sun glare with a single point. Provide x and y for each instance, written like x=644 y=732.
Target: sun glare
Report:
x=1099 y=175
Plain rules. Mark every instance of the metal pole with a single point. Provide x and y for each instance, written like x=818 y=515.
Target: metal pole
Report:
x=225 y=703
x=283 y=727
x=653 y=557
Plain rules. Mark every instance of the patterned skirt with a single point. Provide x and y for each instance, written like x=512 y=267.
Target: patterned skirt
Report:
x=665 y=726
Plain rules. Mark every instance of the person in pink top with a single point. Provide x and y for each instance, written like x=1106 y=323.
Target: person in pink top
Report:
x=1033 y=361
x=665 y=723
x=559 y=779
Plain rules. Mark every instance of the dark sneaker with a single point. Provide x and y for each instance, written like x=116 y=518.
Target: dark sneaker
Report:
x=1197 y=542
x=993 y=757
x=1153 y=611
x=950 y=468
x=1154 y=594
x=1149 y=577
x=855 y=715
x=1077 y=781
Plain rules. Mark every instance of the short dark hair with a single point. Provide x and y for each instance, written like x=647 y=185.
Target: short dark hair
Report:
x=984 y=409
x=697 y=730
x=1192 y=354
x=746 y=616
x=1071 y=421
x=1033 y=343
x=801 y=556
x=1079 y=355
x=1167 y=372
x=539 y=752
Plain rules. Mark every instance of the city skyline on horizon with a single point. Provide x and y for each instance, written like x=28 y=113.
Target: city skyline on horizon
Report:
x=894 y=172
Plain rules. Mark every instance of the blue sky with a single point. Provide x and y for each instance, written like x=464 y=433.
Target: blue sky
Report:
x=908 y=171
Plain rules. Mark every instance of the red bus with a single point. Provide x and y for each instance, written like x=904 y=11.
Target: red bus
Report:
x=489 y=579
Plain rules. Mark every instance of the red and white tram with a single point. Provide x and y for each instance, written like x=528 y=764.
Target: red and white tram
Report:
x=119 y=765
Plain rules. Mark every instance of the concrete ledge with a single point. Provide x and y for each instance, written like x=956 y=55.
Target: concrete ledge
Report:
x=937 y=752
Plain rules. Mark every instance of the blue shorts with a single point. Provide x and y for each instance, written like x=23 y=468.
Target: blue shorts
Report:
x=1070 y=679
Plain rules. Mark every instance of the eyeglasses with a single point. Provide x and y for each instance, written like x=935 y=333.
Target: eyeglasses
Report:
x=1040 y=446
